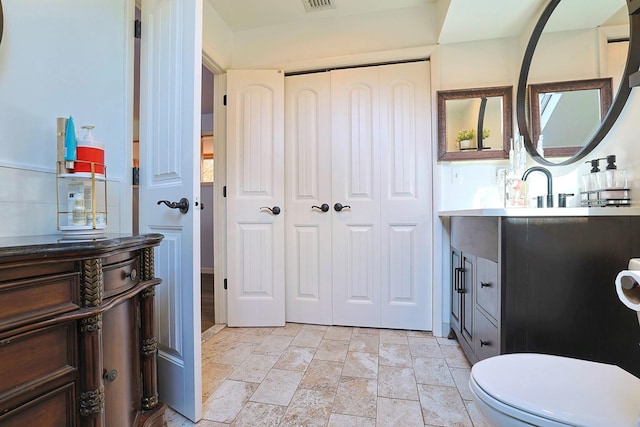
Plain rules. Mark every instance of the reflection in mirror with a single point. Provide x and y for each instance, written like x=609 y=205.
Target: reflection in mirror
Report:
x=1 y=21
x=577 y=40
x=565 y=114
x=474 y=123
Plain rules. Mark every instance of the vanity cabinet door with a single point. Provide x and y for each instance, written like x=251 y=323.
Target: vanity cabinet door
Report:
x=462 y=295
x=456 y=305
x=121 y=375
x=466 y=294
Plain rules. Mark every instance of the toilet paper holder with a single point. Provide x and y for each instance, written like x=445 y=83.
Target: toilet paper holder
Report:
x=628 y=286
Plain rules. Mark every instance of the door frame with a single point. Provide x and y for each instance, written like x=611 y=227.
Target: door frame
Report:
x=219 y=182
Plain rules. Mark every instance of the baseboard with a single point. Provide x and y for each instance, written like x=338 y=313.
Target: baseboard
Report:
x=445 y=329
x=205 y=270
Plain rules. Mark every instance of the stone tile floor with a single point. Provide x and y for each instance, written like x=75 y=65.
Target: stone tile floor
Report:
x=310 y=375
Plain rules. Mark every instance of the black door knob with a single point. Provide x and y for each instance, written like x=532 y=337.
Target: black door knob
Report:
x=339 y=206
x=274 y=210
x=323 y=207
x=182 y=205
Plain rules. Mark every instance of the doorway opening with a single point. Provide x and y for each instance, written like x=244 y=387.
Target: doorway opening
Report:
x=206 y=194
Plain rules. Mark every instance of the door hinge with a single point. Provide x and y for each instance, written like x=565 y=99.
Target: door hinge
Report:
x=137 y=29
x=224 y=100
x=225 y=283
x=224 y=193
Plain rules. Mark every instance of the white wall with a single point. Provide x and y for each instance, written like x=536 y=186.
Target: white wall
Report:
x=217 y=38
x=330 y=37
x=58 y=59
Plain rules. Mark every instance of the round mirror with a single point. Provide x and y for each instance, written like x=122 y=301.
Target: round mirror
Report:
x=579 y=55
x=1 y=19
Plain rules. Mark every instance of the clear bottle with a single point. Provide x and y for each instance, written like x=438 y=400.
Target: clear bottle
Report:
x=613 y=177
x=79 y=213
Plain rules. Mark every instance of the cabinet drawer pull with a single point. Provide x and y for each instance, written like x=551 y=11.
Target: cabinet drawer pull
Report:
x=485 y=284
x=483 y=343
x=133 y=274
x=110 y=376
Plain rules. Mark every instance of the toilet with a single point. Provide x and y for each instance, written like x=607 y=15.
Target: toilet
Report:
x=525 y=389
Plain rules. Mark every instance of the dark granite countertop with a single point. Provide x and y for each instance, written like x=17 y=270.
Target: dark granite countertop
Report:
x=54 y=244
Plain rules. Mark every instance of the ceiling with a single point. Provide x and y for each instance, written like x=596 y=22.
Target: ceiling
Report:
x=465 y=20
x=460 y=21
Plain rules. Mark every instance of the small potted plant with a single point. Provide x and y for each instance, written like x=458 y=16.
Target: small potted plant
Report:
x=486 y=133
x=464 y=138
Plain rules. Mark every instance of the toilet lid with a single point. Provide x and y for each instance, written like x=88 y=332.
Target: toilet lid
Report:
x=562 y=389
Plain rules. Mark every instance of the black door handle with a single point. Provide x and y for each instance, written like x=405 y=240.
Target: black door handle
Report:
x=324 y=207
x=339 y=206
x=275 y=210
x=183 y=204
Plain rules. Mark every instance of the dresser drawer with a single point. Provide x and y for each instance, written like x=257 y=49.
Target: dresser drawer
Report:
x=486 y=338
x=121 y=276
x=33 y=359
x=54 y=409
x=27 y=300
x=487 y=286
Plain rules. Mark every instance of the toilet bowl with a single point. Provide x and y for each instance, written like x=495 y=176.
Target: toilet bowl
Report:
x=527 y=389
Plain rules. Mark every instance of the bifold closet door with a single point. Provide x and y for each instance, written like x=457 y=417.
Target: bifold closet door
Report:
x=307 y=189
x=381 y=169
x=355 y=145
x=358 y=141
x=405 y=196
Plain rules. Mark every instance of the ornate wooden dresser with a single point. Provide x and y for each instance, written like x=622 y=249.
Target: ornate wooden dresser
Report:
x=77 y=343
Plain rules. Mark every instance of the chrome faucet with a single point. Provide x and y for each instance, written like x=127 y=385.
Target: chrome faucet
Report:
x=549 y=181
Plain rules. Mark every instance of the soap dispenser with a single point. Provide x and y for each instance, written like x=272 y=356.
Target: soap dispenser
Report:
x=590 y=180
x=614 y=178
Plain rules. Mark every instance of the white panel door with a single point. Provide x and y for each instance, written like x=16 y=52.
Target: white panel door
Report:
x=307 y=189
x=355 y=145
x=405 y=202
x=170 y=78
x=255 y=198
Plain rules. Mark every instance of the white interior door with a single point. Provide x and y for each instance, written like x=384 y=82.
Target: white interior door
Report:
x=255 y=198
x=170 y=77
x=355 y=145
x=307 y=189
x=405 y=196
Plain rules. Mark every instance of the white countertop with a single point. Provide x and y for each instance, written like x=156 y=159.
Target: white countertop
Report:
x=545 y=212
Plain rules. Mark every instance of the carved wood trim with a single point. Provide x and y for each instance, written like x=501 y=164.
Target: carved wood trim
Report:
x=92 y=402
x=91 y=324
x=149 y=346
x=149 y=402
x=92 y=287
x=148 y=267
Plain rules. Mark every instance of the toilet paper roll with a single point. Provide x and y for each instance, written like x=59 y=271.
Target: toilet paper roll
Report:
x=628 y=288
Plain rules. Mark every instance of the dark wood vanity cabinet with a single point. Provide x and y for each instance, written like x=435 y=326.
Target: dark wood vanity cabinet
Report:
x=77 y=345
x=546 y=285
x=474 y=290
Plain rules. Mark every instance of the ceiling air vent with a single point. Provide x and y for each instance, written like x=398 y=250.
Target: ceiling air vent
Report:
x=315 y=5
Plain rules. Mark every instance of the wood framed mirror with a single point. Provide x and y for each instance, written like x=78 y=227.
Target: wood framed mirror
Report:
x=482 y=116
x=567 y=113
